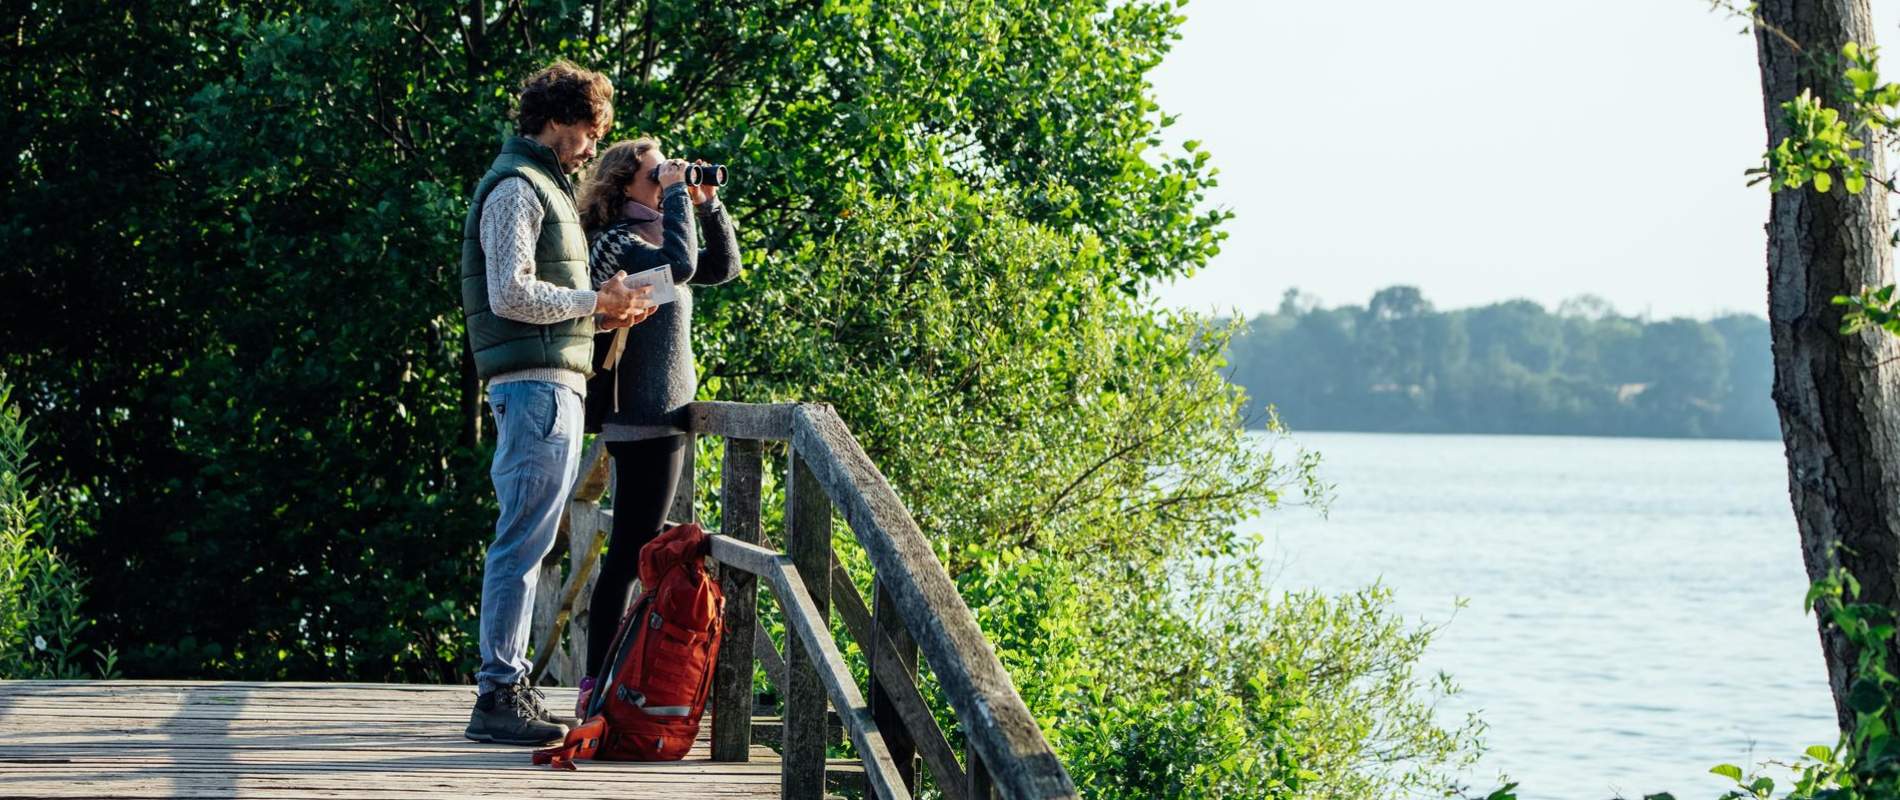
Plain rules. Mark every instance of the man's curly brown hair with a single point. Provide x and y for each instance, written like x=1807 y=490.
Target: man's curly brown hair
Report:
x=567 y=94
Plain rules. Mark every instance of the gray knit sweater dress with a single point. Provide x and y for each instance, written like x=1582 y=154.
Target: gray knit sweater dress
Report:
x=656 y=376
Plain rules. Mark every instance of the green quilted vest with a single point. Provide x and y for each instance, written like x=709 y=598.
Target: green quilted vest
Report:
x=560 y=257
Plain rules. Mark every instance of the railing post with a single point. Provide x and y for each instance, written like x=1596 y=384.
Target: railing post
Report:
x=808 y=542
x=732 y=675
x=980 y=786
x=682 y=510
x=897 y=736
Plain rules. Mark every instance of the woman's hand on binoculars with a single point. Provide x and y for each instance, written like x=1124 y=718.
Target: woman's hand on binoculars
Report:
x=704 y=191
x=672 y=171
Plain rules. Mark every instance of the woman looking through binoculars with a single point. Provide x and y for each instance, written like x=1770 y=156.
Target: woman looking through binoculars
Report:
x=634 y=205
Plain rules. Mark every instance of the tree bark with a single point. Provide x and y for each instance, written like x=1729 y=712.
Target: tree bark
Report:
x=471 y=405
x=1835 y=393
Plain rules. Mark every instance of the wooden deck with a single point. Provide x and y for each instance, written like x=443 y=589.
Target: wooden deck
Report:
x=143 y=739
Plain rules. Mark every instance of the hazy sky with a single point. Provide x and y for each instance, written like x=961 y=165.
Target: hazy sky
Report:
x=1479 y=149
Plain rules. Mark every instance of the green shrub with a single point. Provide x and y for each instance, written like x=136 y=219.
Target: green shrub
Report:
x=40 y=594
x=1200 y=683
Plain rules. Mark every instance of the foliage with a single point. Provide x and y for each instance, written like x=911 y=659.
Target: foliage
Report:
x=1212 y=684
x=1820 y=140
x=1398 y=364
x=949 y=217
x=41 y=624
x=1819 y=144
x=1874 y=307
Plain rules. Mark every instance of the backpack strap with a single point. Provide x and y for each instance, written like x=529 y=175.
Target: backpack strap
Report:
x=581 y=742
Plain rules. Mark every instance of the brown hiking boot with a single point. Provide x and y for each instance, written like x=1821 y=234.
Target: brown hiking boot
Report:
x=538 y=701
x=511 y=715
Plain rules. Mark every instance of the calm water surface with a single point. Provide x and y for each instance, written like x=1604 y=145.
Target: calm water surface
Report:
x=1634 y=613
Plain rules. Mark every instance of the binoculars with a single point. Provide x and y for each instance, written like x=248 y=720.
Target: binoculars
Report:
x=696 y=174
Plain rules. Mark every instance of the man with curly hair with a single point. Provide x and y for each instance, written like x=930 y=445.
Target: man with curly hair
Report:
x=530 y=309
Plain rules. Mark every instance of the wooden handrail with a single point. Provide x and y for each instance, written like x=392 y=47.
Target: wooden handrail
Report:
x=1006 y=746
x=917 y=611
x=802 y=618
x=771 y=422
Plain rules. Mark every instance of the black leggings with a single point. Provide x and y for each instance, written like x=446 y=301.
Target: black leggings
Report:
x=647 y=473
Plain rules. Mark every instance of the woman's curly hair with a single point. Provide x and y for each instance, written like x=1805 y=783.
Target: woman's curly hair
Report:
x=604 y=190
x=567 y=94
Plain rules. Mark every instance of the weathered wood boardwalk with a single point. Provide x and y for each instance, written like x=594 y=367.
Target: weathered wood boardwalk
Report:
x=291 y=740
x=138 y=739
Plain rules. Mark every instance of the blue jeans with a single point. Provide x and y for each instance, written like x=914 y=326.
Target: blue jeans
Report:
x=539 y=450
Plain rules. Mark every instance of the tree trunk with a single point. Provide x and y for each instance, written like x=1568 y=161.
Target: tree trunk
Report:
x=1835 y=393
x=471 y=404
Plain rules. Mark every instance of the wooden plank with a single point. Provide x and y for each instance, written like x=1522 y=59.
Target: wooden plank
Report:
x=547 y=595
x=767 y=653
x=581 y=616
x=595 y=472
x=1019 y=759
x=909 y=715
x=550 y=616
x=28 y=687
x=741 y=420
x=172 y=739
x=739 y=504
x=162 y=783
x=893 y=642
x=813 y=637
x=243 y=713
x=363 y=764
x=440 y=740
x=577 y=579
x=807 y=605
x=981 y=785
x=682 y=511
x=769 y=731
x=743 y=555
x=173 y=785
x=751 y=558
x=840 y=773
x=308 y=744
x=223 y=788
x=391 y=705
x=475 y=756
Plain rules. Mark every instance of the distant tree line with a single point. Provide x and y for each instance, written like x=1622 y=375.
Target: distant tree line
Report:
x=1398 y=364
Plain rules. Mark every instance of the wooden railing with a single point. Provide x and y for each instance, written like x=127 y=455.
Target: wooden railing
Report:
x=915 y=610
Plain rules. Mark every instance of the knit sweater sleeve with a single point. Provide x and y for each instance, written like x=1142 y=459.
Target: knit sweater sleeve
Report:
x=511 y=222
x=719 y=260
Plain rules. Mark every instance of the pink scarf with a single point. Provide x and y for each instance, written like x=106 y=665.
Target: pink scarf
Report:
x=646 y=222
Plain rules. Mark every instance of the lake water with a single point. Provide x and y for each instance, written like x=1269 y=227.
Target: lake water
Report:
x=1634 y=610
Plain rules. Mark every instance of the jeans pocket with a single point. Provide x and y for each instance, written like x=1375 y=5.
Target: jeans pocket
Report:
x=553 y=431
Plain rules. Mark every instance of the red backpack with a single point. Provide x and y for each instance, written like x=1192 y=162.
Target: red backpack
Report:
x=658 y=673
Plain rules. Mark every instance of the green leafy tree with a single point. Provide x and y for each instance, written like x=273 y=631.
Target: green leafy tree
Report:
x=235 y=227
x=1399 y=364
